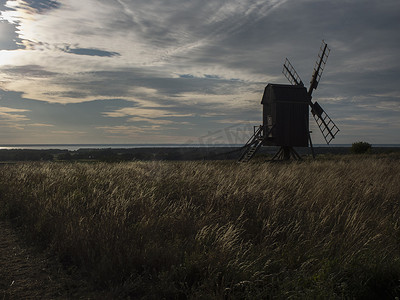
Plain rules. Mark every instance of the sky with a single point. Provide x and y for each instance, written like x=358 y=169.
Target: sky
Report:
x=191 y=71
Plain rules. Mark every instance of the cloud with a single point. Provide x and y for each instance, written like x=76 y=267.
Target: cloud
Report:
x=131 y=130
x=12 y=114
x=195 y=62
x=68 y=133
x=27 y=71
x=153 y=134
x=151 y=121
x=90 y=52
x=144 y=112
x=41 y=125
x=11 y=110
x=12 y=118
x=40 y=6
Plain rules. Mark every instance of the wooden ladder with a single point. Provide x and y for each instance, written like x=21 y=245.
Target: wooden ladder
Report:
x=254 y=144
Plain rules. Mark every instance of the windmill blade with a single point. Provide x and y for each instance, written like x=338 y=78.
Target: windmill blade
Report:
x=324 y=122
x=291 y=74
x=319 y=67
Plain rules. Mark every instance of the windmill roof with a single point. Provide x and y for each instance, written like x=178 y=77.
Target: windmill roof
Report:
x=284 y=92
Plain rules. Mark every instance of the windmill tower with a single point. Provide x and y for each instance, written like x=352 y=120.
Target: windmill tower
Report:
x=286 y=114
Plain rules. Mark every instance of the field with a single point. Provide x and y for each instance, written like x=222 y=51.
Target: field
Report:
x=328 y=228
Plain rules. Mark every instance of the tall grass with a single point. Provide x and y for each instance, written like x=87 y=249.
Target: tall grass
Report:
x=315 y=229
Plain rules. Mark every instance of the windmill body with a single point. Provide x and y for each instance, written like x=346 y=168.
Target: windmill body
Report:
x=286 y=106
x=286 y=114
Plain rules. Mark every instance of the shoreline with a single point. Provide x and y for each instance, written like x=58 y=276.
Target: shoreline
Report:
x=75 y=147
x=164 y=153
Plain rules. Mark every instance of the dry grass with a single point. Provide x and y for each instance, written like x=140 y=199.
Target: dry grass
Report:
x=316 y=229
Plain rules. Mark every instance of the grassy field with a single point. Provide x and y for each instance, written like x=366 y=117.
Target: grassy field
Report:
x=327 y=229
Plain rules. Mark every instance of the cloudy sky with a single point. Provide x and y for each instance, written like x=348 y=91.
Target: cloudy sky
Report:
x=191 y=71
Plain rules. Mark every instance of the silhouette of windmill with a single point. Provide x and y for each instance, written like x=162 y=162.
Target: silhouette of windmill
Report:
x=286 y=116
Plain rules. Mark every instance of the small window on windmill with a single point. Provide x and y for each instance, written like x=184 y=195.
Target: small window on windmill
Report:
x=269 y=121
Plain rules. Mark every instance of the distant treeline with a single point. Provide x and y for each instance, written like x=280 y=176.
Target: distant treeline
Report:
x=115 y=155
x=151 y=154
x=171 y=153
x=28 y=155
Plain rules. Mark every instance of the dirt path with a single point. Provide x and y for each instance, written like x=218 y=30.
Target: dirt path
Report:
x=26 y=273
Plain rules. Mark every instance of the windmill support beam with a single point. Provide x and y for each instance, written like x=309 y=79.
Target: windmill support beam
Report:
x=285 y=153
x=311 y=145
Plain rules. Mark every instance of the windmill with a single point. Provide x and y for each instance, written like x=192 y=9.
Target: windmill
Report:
x=286 y=114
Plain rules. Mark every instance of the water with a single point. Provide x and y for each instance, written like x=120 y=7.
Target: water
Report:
x=74 y=147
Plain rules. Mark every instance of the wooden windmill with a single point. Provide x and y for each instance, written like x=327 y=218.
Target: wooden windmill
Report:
x=286 y=114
